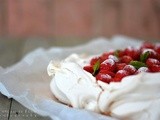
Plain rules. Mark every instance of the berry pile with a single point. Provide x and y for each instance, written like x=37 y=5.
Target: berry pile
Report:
x=114 y=65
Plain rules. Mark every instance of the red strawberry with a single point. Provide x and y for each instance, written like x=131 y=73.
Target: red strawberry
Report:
x=147 y=45
x=115 y=65
x=120 y=74
x=105 y=55
x=152 y=61
x=112 y=74
x=126 y=59
x=88 y=68
x=132 y=52
x=113 y=58
x=129 y=68
x=155 y=68
x=152 y=53
x=157 y=48
x=94 y=60
x=104 y=77
x=108 y=64
x=120 y=66
x=121 y=53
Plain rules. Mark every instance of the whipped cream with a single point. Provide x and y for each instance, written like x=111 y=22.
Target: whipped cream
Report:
x=136 y=97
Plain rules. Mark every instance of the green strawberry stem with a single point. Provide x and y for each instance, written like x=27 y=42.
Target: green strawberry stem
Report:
x=138 y=64
x=144 y=56
x=96 y=67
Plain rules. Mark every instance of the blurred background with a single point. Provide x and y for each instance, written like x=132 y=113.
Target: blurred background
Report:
x=28 y=24
x=80 y=19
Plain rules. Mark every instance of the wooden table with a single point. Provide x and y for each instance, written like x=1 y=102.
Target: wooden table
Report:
x=12 y=110
x=11 y=51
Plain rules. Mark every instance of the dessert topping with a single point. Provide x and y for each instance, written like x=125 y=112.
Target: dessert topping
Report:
x=112 y=66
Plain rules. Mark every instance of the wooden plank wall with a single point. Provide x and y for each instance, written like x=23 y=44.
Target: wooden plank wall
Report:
x=80 y=18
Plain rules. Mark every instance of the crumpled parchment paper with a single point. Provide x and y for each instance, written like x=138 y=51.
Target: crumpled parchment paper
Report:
x=28 y=83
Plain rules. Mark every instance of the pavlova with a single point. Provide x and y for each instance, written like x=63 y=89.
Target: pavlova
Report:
x=123 y=83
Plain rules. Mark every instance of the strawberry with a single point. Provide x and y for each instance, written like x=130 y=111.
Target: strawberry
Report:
x=157 y=48
x=94 y=60
x=105 y=55
x=114 y=65
x=120 y=74
x=119 y=53
x=129 y=68
x=152 y=61
x=113 y=58
x=88 y=68
x=112 y=74
x=108 y=64
x=147 y=45
x=132 y=52
x=104 y=77
x=155 y=68
x=142 y=69
x=120 y=66
x=126 y=59
x=152 y=53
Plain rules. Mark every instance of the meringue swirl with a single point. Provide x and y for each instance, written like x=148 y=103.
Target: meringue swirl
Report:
x=135 y=97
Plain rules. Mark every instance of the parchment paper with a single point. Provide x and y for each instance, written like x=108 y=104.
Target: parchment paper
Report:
x=28 y=83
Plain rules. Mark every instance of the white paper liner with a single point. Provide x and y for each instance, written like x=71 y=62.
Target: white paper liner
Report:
x=28 y=83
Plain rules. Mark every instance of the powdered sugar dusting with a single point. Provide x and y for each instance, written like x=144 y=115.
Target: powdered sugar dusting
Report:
x=113 y=58
x=122 y=71
x=106 y=76
x=154 y=61
x=131 y=67
x=109 y=61
x=148 y=50
x=142 y=69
